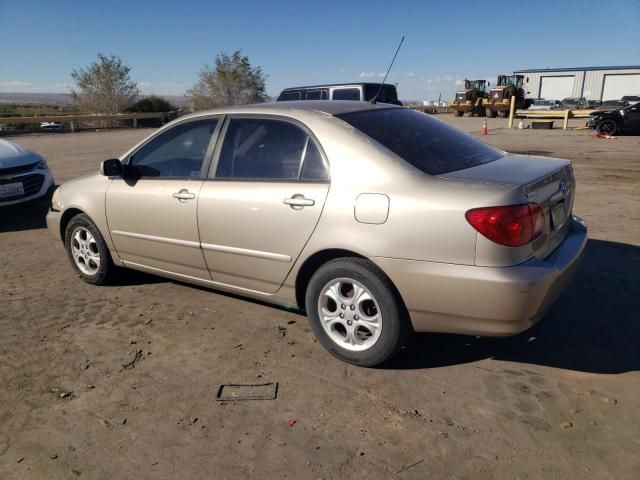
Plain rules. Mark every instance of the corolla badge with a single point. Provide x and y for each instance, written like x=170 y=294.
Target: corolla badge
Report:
x=563 y=187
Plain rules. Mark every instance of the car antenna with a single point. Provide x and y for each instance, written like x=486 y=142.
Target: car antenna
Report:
x=375 y=99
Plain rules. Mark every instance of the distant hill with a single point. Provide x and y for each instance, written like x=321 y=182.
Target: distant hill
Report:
x=65 y=98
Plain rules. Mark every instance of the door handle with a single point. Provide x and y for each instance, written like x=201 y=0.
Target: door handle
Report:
x=299 y=201
x=184 y=194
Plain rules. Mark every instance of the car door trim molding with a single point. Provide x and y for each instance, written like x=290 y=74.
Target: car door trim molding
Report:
x=278 y=257
x=153 y=238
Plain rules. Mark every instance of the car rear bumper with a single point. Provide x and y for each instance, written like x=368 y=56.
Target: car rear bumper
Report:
x=492 y=301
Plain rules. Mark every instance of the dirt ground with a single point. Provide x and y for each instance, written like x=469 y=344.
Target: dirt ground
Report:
x=561 y=401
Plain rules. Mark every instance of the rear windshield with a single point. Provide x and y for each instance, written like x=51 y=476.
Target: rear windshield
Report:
x=426 y=143
x=387 y=94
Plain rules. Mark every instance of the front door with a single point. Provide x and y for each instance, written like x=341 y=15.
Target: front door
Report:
x=152 y=212
x=262 y=202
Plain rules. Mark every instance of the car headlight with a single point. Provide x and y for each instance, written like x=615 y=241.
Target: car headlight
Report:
x=55 y=200
x=42 y=164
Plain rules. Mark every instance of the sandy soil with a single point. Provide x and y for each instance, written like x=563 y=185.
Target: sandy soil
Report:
x=559 y=401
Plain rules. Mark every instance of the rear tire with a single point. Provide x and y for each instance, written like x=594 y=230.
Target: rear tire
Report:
x=489 y=113
x=607 y=127
x=457 y=113
x=87 y=251
x=355 y=312
x=503 y=114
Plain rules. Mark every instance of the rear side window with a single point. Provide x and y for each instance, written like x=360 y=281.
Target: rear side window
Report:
x=264 y=149
x=346 y=94
x=317 y=94
x=288 y=96
x=428 y=144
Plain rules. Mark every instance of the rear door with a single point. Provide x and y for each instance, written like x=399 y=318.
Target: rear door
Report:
x=264 y=198
x=152 y=212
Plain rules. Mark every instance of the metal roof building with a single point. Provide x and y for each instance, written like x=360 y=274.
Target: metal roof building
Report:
x=593 y=83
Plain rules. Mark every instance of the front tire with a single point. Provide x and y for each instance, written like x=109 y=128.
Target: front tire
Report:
x=489 y=113
x=458 y=113
x=607 y=127
x=87 y=251
x=356 y=313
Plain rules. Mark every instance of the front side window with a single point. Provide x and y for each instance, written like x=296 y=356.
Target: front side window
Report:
x=177 y=153
x=346 y=94
x=264 y=149
x=428 y=144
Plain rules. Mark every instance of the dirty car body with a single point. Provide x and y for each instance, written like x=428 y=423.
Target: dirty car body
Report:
x=375 y=219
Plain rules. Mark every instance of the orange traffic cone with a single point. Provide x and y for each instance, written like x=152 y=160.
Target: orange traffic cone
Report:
x=485 y=130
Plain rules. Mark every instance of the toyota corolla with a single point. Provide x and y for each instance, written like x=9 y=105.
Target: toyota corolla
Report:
x=376 y=220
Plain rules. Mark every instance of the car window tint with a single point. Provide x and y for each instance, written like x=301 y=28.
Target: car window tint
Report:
x=178 y=152
x=261 y=149
x=426 y=143
x=387 y=93
x=346 y=94
x=314 y=168
x=316 y=95
x=288 y=96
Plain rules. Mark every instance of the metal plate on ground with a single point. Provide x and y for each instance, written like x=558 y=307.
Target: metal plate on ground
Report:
x=228 y=392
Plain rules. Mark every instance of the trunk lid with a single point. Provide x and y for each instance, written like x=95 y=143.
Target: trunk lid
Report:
x=548 y=182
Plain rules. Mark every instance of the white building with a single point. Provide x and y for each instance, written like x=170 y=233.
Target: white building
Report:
x=593 y=83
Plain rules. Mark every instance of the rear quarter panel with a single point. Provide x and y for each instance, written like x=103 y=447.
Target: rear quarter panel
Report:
x=426 y=218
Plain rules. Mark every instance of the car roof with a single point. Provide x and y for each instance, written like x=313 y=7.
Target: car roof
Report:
x=327 y=107
x=329 y=85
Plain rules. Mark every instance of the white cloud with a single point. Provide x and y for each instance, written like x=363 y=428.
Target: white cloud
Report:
x=341 y=69
x=459 y=83
x=371 y=74
x=410 y=74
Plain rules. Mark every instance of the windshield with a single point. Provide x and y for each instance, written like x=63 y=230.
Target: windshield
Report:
x=428 y=144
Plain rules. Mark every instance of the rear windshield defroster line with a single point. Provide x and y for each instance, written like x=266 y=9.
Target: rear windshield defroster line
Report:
x=428 y=144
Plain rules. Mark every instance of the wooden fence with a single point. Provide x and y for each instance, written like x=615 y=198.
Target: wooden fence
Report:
x=74 y=120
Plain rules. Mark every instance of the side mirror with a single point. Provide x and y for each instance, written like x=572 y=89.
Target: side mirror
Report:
x=111 y=168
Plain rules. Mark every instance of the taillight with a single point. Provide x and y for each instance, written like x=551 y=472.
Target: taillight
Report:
x=511 y=225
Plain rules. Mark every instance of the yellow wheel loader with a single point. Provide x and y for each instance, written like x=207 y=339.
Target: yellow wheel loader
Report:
x=470 y=99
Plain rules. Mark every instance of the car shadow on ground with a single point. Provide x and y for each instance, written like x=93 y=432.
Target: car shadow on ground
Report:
x=30 y=216
x=593 y=327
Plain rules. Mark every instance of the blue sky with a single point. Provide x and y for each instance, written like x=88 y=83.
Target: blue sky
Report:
x=167 y=42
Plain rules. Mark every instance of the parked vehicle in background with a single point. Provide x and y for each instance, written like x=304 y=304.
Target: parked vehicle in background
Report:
x=499 y=101
x=618 y=121
x=632 y=99
x=54 y=126
x=376 y=220
x=574 y=103
x=470 y=99
x=542 y=104
x=24 y=175
x=613 y=105
x=343 y=91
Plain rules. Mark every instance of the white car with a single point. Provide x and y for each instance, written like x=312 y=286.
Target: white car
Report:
x=24 y=175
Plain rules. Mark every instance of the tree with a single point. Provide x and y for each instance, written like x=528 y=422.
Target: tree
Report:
x=104 y=86
x=230 y=81
x=151 y=103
